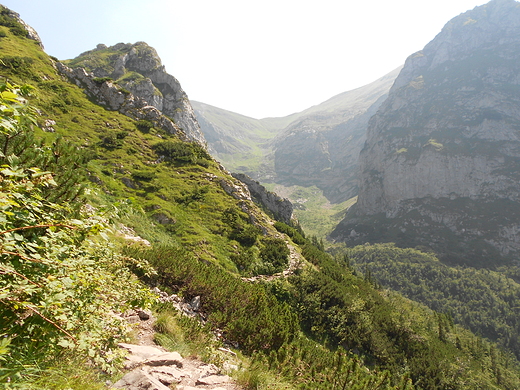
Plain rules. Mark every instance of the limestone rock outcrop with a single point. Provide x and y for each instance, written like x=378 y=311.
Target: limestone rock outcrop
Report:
x=114 y=98
x=281 y=208
x=138 y=68
x=441 y=161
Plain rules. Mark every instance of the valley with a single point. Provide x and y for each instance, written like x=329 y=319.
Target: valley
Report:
x=393 y=266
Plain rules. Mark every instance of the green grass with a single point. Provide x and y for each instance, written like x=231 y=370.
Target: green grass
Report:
x=314 y=212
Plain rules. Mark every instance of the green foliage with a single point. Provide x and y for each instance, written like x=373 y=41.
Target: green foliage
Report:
x=484 y=301
x=181 y=152
x=57 y=273
x=245 y=312
x=144 y=125
x=296 y=234
x=17 y=64
x=241 y=229
x=183 y=334
x=143 y=175
x=196 y=194
x=111 y=141
x=101 y=80
x=274 y=254
x=14 y=25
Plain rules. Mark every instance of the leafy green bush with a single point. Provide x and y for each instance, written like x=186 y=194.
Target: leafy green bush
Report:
x=101 y=80
x=245 y=312
x=143 y=175
x=18 y=30
x=111 y=141
x=295 y=234
x=246 y=234
x=14 y=25
x=17 y=64
x=57 y=276
x=274 y=255
x=182 y=152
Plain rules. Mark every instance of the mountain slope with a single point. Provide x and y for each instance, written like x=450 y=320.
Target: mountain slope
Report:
x=440 y=164
x=318 y=146
x=321 y=147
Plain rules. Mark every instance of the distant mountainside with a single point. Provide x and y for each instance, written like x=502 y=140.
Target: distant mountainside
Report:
x=441 y=161
x=318 y=146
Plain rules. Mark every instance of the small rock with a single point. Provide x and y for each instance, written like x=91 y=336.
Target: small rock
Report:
x=139 y=380
x=195 y=303
x=229 y=367
x=213 y=380
x=132 y=319
x=206 y=370
x=142 y=351
x=165 y=359
x=166 y=375
x=227 y=351
x=143 y=315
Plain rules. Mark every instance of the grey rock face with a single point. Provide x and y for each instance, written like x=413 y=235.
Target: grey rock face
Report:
x=443 y=151
x=323 y=150
x=138 y=68
x=281 y=208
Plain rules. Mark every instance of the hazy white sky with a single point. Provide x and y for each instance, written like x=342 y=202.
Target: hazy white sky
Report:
x=258 y=58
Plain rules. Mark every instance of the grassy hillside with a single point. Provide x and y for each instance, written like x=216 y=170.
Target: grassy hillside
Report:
x=66 y=270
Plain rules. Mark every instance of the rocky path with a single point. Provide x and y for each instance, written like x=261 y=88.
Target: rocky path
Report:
x=150 y=367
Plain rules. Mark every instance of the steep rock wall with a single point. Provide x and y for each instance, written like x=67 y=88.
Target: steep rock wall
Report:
x=441 y=161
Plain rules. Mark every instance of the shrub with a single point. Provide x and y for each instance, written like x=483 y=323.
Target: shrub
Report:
x=143 y=175
x=57 y=275
x=18 y=30
x=16 y=63
x=111 y=141
x=144 y=126
x=101 y=80
x=182 y=152
x=295 y=234
x=245 y=234
x=274 y=254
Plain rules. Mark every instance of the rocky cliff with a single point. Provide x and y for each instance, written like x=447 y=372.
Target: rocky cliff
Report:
x=138 y=69
x=441 y=161
x=280 y=208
